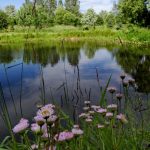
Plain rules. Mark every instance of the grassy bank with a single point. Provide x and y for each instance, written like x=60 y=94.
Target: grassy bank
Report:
x=123 y=125
x=132 y=35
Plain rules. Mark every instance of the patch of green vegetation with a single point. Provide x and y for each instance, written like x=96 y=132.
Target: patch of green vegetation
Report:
x=134 y=35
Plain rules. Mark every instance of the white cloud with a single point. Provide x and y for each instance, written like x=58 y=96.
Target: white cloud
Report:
x=97 y=5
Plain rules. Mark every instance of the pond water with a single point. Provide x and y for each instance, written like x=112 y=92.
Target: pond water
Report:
x=37 y=71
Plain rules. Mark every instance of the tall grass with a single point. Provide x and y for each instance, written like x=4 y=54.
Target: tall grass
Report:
x=138 y=36
x=100 y=131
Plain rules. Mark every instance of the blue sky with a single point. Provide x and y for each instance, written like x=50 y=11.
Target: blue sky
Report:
x=97 y=5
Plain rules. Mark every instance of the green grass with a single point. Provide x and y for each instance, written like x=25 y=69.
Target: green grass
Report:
x=134 y=35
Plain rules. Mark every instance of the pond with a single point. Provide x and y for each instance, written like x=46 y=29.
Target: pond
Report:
x=34 y=73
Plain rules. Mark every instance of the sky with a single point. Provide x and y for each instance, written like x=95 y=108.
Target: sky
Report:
x=97 y=5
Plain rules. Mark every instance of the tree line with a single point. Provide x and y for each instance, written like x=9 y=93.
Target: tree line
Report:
x=45 y=13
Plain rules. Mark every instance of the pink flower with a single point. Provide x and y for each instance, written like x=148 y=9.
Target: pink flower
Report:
x=95 y=107
x=86 y=108
x=34 y=147
x=131 y=81
x=88 y=120
x=87 y=102
x=122 y=118
x=122 y=76
x=91 y=112
x=112 y=107
x=100 y=126
x=76 y=130
x=39 y=120
x=109 y=115
x=83 y=115
x=125 y=83
x=45 y=136
x=51 y=148
x=102 y=111
x=35 y=128
x=63 y=136
x=52 y=119
x=46 y=111
x=111 y=89
x=21 y=126
x=119 y=96
x=50 y=106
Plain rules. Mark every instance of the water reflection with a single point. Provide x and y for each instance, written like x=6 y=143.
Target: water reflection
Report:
x=138 y=65
x=60 y=63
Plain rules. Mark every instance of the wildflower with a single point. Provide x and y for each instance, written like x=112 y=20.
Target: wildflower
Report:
x=89 y=117
x=102 y=111
x=131 y=81
x=45 y=136
x=112 y=90
x=52 y=119
x=49 y=106
x=112 y=107
x=35 y=128
x=95 y=107
x=76 y=130
x=122 y=76
x=122 y=118
x=34 y=147
x=91 y=112
x=21 y=126
x=83 y=115
x=86 y=108
x=119 y=96
x=125 y=83
x=87 y=102
x=46 y=111
x=76 y=126
x=109 y=115
x=99 y=126
x=51 y=147
x=63 y=136
x=39 y=120
x=88 y=120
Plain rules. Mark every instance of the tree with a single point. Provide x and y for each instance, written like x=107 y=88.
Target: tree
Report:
x=25 y=15
x=60 y=3
x=70 y=19
x=110 y=20
x=89 y=18
x=72 y=6
x=59 y=15
x=134 y=11
x=11 y=13
x=52 y=6
x=3 y=20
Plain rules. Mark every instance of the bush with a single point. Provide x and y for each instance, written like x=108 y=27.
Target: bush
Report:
x=3 y=20
x=70 y=19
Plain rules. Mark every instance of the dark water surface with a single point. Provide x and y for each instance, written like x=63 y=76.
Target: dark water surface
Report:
x=68 y=64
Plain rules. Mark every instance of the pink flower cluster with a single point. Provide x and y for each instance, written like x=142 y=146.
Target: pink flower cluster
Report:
x=63 y=136
x=21 y=126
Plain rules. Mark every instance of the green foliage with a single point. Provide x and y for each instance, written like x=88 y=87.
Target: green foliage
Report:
x=70 y=19
x=89 y=18
x=25 y=16
x=72 y=6
x=110 y=20
x=100 y=20
x=42 y=18
x=11 y=13
x=3 y=20
x=133 y=11
x=60 y=3
x=59 y=15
